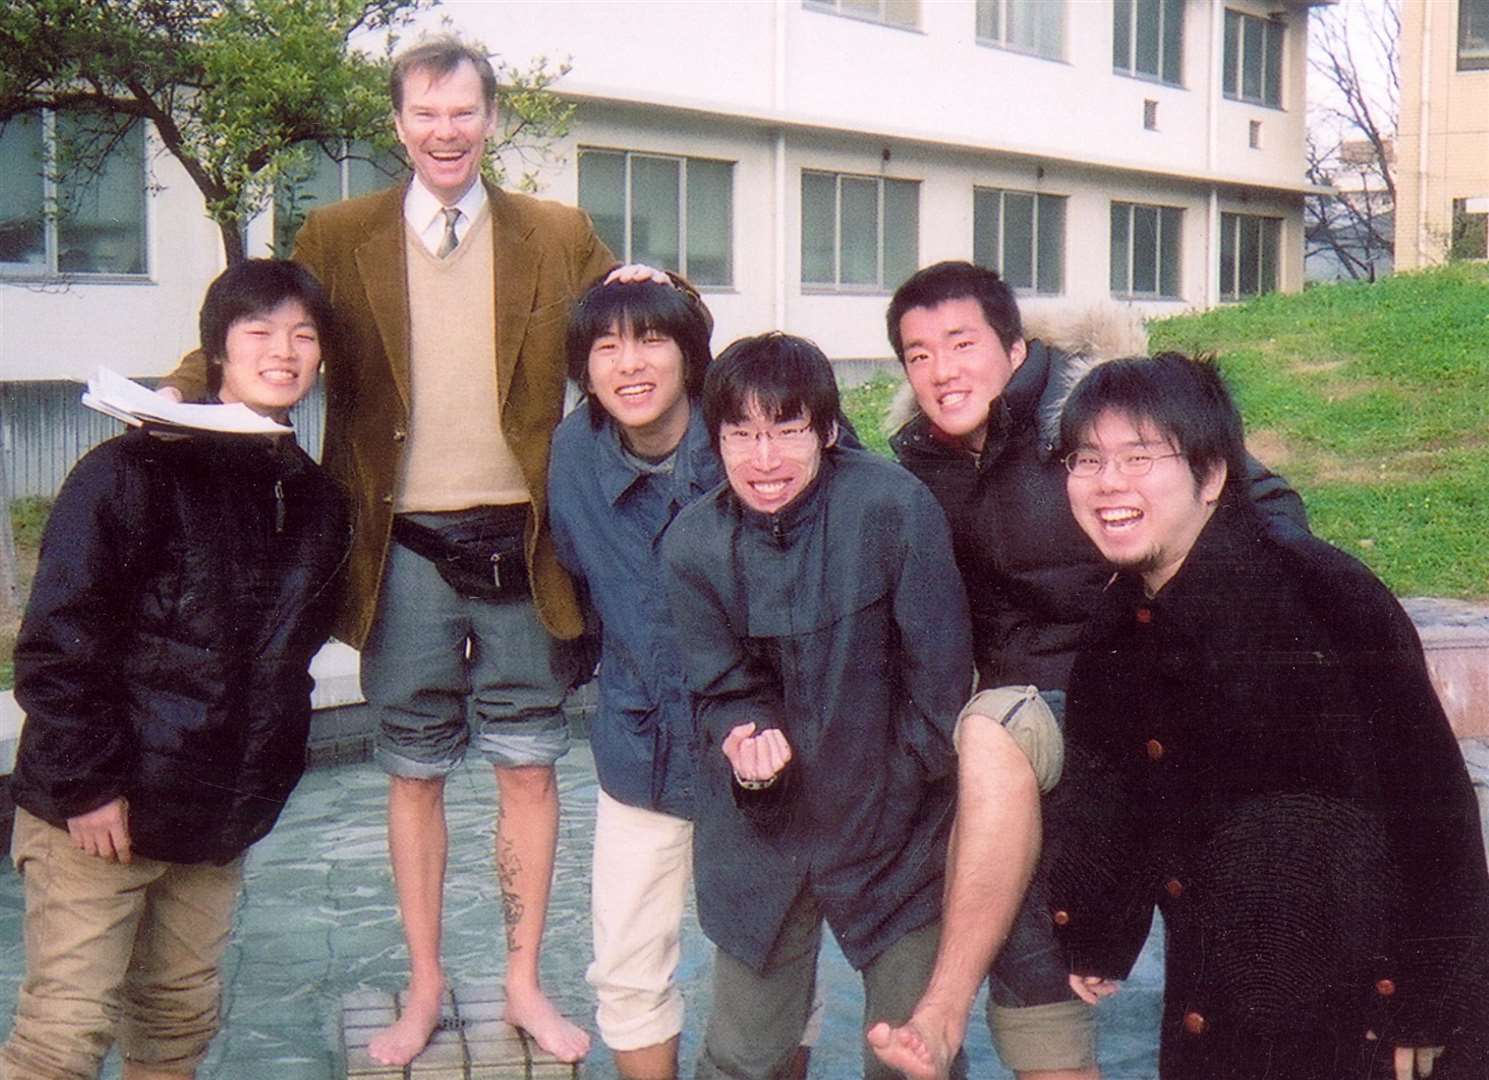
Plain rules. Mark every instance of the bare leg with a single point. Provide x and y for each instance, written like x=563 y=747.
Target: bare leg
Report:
x=994 y=847
x=526 y=835
x=656 y=1062
x=417 y=843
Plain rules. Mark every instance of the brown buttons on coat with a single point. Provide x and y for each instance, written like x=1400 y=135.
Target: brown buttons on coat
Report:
x=1061 y=918
x=1194 y=1023
x=1174 y=887
x=1155 y=750
x=1385 y=987
x=399 y=434
x=387 y=500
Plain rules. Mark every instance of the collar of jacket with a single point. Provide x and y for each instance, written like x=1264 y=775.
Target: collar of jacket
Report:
x=691 y=472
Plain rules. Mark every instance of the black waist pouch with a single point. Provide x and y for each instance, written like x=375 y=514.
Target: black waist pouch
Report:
x=480 y=556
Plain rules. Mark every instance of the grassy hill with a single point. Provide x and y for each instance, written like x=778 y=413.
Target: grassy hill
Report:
x=1373 y=400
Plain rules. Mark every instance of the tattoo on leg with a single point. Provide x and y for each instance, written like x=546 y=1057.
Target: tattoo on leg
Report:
x=507 y=869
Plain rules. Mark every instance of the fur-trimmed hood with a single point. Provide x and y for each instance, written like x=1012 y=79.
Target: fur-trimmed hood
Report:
x=1086 y=338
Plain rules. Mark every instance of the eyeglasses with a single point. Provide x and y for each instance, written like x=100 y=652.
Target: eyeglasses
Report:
x=785 y=437
x=1088 y=463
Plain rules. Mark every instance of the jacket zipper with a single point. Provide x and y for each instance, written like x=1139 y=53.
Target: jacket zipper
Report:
x=278 y=507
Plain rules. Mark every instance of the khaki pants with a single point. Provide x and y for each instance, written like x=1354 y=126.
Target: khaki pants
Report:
x=115 y=951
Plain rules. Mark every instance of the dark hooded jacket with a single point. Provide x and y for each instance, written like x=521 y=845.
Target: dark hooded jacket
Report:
x=182 y=590
x=1032 y=576
x=841 y=621
x=1258 y=752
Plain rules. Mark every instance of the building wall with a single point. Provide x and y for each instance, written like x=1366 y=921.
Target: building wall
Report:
x=1443 y=153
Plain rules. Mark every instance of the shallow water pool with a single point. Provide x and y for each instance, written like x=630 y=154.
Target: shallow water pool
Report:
x=318 y=919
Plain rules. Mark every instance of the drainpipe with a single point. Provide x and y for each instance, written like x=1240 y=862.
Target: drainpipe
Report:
x=781 y=187
x=1212 y=151
x=1424 y=118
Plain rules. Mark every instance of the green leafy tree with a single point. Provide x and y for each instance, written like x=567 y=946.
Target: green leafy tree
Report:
x=239 y=92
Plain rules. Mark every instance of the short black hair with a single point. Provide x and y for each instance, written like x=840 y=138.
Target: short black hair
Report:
x=1182 y=398
x=781 y=375
x=439 y=56
x=954 y=280
x=638 y=307
x=256 y=287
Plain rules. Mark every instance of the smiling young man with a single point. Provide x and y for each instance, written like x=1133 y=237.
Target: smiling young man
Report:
x=825 y=644
x=439 y=415
x=184 y=585
x=983 y=439
x=1259 y=753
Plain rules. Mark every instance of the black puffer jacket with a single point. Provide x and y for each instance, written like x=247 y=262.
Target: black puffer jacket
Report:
x=1032 y=576
x=183 y=588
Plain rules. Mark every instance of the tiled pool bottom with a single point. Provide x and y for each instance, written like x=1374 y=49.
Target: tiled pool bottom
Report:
x=318 y=919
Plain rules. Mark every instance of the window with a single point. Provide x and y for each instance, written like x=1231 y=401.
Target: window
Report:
x=1254 y=135
x=1473 y=34
x=61 y=217
x=1253 y=59
x=670 y=212
x=321 y=179
x=1146 y=250
x=1022 y=236
x=858 y=232
x=890 y=12
x=1248 y=255
x=1150 y=115
x=1148 y=38
x=1036 y=26
x=1470 y=239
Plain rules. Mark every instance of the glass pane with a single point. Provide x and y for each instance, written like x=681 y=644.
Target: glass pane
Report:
x=1051 y=270
x=1230 y=78
x=1173 y=41
x=869 y=8
x=369 y=169
x=1271 y=237
x=1018 y=239
x=902 y=12
x=656 y=191
x=1121 y=226
x=1272 y=82
x=858 y=232
x=1171 y=251
x=989 y=25
x=986 y=247
x=100 y=213
x=901 y=231
x=1145 y=249
x=1051 y=37
x=1473 y=33
x=1122 y=34
x=1145 y=58
x=1253 y=56
x=313 y=181
x=1228 y=224
x=1249 y=243
x=819 y=215
x=710 y=223
x=23 y=233
x=1023 y=23
x=602 y=195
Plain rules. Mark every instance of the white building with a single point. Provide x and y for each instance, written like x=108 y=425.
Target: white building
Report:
x=797 y=159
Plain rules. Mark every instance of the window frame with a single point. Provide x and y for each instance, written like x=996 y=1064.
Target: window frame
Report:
x=1471 y=49
x=1040 y=199
x=52 y=216
x=1233 y=63
x=344 y=164
x=1128 y=63
x=628 y=209
x=1000 y=40
x=835 y=7
x=1172 y=213
x=880 y=286
x=1468 y=227
x=1232 y=222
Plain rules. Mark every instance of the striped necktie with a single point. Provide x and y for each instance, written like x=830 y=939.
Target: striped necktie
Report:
x=449 y=241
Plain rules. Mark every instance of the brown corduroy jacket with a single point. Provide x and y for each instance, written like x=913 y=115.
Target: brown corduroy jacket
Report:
x=547 y=254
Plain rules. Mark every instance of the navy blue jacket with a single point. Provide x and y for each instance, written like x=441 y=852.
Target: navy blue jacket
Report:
x=608 y=517
x=842 y=621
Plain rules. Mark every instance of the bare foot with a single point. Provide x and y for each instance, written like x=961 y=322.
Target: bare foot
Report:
x=531 y=1011
x=404 y=1039
x=908 y=1050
